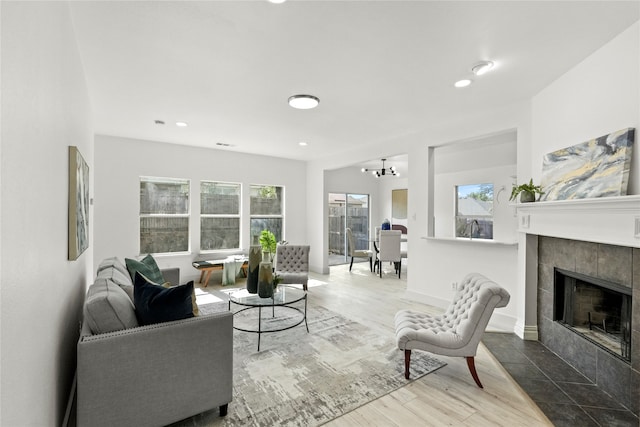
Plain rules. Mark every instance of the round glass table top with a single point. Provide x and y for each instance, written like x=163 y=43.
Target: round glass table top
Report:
x=284 y=295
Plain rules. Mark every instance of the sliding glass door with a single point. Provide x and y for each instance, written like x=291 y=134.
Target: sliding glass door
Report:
x=347 y=211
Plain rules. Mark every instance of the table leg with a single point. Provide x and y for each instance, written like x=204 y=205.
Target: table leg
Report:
x=259 y=325
x=206 y=278
x=305 y=314
x=201 y=276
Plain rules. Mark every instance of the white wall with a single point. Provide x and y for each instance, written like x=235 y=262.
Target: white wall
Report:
x=120 y=162
x=385 y=187
x=597 y=97
x=45 y=108
x=445 y=262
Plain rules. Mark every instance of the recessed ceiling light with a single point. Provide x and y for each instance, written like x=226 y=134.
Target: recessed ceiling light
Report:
x=303 y=102
x=223 y=144
x=277 y=1
x=482 y=67
x=462 y=83
x=159 y=122
x=302 y=144
x=181 y=124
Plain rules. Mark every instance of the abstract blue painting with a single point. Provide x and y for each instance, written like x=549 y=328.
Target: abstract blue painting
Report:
x=596 y=168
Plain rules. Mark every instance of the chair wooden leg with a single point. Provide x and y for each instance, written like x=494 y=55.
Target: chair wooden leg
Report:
x=351 y=265
x=472 y=368
x=407 y=362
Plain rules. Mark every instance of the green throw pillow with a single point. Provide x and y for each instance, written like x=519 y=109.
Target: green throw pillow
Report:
x=155 y=303
x=147 y=267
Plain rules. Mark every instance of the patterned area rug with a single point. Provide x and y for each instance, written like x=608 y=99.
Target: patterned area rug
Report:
x=307 y=379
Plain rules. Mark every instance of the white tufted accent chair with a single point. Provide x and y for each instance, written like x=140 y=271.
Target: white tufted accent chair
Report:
x=292 y=264
x=458 y=331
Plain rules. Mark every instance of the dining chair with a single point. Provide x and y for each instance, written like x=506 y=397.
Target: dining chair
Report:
x=376 y=251
x=357 y=253
x=389 y=246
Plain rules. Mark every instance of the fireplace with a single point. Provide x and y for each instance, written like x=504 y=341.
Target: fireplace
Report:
x=588 y=300
x=598 y=310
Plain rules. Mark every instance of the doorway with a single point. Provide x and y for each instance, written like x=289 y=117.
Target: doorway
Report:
x=347 y=210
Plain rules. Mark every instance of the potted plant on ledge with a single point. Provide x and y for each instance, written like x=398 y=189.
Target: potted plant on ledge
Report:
x=527 y=192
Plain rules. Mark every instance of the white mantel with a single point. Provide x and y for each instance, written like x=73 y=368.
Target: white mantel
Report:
x=610 y=220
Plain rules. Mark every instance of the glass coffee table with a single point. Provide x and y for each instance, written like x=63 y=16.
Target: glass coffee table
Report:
x=285 y=297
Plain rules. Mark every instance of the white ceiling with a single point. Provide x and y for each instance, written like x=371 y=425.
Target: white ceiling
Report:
x=382 y=69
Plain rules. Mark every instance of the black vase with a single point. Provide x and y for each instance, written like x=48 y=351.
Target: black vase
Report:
x=255 y=257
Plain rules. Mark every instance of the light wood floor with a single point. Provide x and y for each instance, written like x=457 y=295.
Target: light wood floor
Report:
x=444 y=398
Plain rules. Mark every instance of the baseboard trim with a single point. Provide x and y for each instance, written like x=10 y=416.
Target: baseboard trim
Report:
x=527 y=333
x=71 y=403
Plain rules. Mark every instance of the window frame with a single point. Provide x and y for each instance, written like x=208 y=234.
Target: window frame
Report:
x=238 y=215
x=280 y=216
x=187 y=215
x=458 y=216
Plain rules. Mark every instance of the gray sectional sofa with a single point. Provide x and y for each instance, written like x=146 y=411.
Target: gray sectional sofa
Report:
x=153 y=375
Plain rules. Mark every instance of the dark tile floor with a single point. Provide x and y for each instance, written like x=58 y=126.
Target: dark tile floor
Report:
x=565 y=396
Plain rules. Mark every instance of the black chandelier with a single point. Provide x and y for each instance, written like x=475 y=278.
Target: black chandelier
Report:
x=383 y=171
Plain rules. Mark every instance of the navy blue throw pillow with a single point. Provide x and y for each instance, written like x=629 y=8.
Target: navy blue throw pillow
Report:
x=156 y=304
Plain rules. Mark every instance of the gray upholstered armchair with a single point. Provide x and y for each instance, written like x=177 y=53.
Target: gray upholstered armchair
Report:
x=292 y=264
x=458 y=331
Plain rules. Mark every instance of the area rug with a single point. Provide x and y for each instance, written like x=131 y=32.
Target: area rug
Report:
x=308 y=379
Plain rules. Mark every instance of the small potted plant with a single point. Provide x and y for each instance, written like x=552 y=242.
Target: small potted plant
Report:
x=268 y=243
x=276 y=280
x=527 y=192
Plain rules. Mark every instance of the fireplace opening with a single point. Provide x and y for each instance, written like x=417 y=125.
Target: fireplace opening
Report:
x=596 y=309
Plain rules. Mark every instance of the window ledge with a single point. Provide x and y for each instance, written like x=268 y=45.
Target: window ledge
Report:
x=470 y=241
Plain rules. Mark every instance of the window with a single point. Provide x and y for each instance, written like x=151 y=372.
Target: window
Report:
x=266 y=209
x=474 y=211
x=219 y=215
x=164 y=215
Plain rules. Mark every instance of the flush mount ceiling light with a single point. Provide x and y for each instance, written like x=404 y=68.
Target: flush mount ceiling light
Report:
x=383 y=171
x=463 y=83
x=303 y=102
x=482 y=67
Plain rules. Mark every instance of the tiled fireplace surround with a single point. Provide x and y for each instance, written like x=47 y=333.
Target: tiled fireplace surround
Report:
x=597 y=237
x=620 y=264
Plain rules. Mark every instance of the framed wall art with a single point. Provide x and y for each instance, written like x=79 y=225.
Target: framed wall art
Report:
x=78 y=204
x=596 y=168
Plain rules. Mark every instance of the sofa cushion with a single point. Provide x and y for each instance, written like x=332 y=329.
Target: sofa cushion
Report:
x=113 y=262
x=147 y=266
x=118 y=277
x=108 y=308
x=155 y=303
